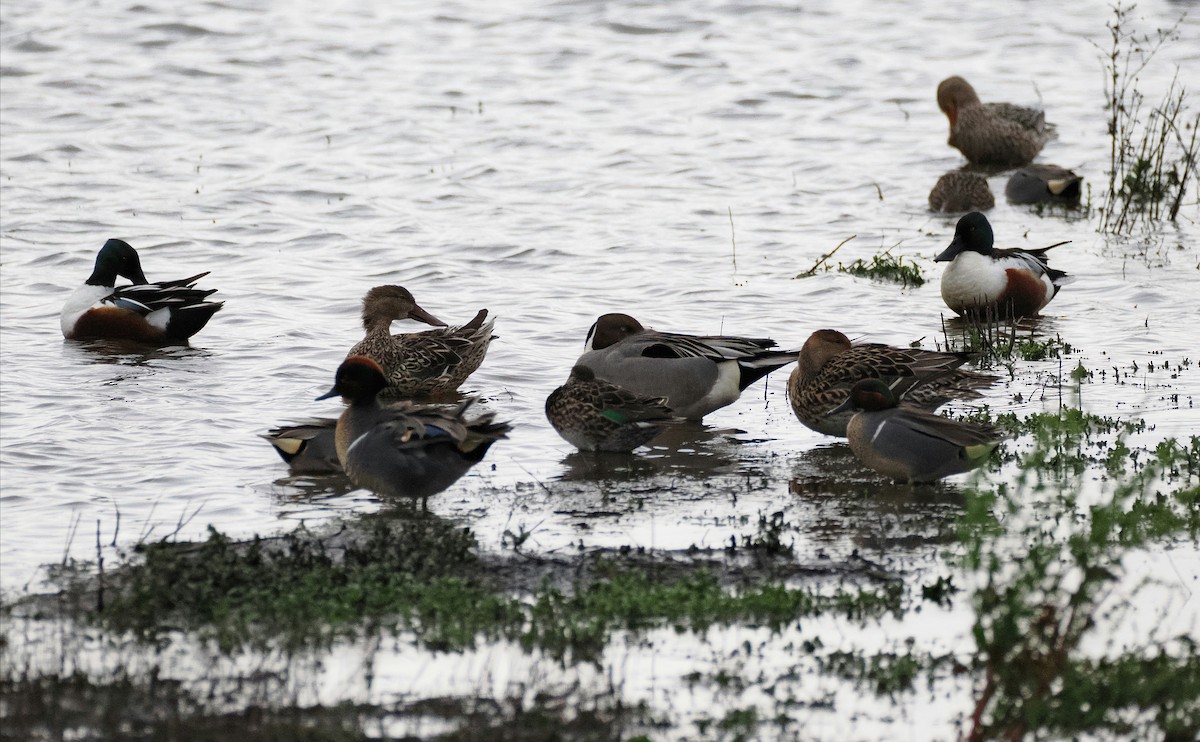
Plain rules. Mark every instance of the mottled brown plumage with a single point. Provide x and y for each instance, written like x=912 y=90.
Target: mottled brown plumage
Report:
x=959 y=190
x=829 y=366
x=419 y=364
x=995 y=134
x=594 y=415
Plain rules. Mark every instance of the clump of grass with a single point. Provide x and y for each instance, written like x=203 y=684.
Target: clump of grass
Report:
x=1035 y=608
x=998 y=341
x=885 y=267
x=1152 y=154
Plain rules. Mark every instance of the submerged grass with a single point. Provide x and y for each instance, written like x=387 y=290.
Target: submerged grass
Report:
x=1045 y=584
x=425 y=577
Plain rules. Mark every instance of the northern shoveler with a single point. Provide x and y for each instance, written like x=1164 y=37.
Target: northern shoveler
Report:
x=959 y=190
x=829 y=366
x=595 y=415
x=166 y=312
x=404 y=450
x=910 y=444
x=419 y=364
x=984 y=281
x=1052 y=184
x=307 y=446
x=696 y=374
x=996 y=134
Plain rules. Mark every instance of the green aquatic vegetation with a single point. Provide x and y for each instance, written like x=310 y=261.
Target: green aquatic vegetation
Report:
x=885 y=673
x=1035 y=607
x=886 y=267
x=424 y=576
x=1152 y=154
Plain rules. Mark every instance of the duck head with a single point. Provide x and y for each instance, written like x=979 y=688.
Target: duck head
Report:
x=611 y=328
x=973 y=233
x=117 y=258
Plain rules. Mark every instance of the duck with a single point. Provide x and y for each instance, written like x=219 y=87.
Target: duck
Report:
x=696 y=374
x=405 y=450
x=161 y=313
x=909 y=444
x=959 y=190
x=829 y=365
x=419 y=365
x=983 y=281
x=307 y=446
x=1038 y=183
x=993 y=135
x=595 y=415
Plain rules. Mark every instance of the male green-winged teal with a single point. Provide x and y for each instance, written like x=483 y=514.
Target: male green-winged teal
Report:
x=910 y=444
x=404 y=450
x=696 y=374
x=307 y=446
x=829 y=366
x=993 y=135
x=595 y=415
x=1050 y=184
x=984 y=281
x=164 y=312
x=419 y=364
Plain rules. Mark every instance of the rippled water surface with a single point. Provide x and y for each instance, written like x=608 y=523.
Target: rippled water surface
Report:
x=679 y=161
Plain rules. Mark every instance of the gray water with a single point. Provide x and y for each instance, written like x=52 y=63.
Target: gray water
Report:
x=678 y=161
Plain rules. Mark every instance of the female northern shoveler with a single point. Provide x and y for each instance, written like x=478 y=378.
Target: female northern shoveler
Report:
x=171 y=311
x=910 y=444
x=984 y=281
x=696 y=374
x=959 y=190
x=404 y=450
x=829 y=366
x=419 y=364
x=1051 y=184
x=307 y=446
x=595 y=415
x=996 y=134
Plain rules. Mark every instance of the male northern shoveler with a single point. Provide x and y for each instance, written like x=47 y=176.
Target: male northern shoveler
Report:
x=695 y=373
x=419 y=364
x=404 y=450
x=595 y=415
x=910 y=444
x=959 y=190
x=984 y=281
x=307 y=446
x=171 y=311
x=994 y=135
x=1051 y=184
x=829 y=366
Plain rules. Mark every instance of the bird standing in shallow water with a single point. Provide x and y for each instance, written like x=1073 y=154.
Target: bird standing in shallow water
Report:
x=595 y=415
x=404 y=450
x=171 y=311
x=829 y=365
x=982 y=281
x=994 y=135
x=419 y=364
x=912 y=445
x=695 y=373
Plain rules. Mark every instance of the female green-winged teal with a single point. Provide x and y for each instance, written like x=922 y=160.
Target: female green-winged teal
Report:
x=696 y=374
x=987 y=282
x=959 y=190
x=419 y=364
x=910 y=444
x=595 y=415
x=829 y=366
x=993 y=135
x=405 y=449
x=165 y=312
